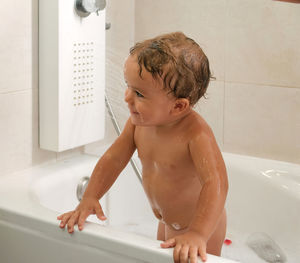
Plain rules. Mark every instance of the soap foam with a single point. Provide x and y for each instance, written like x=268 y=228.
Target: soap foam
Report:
x=266 y=248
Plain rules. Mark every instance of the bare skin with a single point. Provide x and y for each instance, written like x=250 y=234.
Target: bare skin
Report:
x=184 y=176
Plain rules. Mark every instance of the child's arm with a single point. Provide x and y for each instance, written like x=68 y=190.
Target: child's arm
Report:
x=104 y=175
x=212 y=175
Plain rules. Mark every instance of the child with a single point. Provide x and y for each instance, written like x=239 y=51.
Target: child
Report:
x=184 y=175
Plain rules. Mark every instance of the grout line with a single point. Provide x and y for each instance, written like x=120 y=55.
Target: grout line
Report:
x=134 y=24
x=17 y=91
x=224 y=90
x=262 y=84
x=223 y=132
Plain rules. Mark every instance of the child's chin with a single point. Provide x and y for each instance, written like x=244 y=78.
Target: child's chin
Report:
x=134 y=120
x=137 y=122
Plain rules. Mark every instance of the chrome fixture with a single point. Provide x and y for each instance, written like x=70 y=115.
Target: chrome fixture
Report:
x=81 y=187
x=85 y=7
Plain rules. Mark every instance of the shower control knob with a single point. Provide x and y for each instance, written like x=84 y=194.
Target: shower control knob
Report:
x=86 y=7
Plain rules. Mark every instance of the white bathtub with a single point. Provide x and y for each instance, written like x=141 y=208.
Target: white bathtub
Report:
x=264 y=196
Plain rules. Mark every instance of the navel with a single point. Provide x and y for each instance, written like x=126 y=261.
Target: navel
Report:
x=176 y=226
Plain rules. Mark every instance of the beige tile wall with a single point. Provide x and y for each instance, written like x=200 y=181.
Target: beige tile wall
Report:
x=262 y=43
x=254 y=51
x=262 y=80
x=19 y=89
x=253 y=46
x=202 y=20
x=15 y=46
x=19 y=131
x=260 y=124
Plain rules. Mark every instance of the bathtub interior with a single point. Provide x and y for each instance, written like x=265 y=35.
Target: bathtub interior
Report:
x=125 y=204
x=255 y=204
x=263 y=201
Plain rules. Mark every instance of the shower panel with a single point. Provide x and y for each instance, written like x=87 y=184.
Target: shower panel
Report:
x=71 y=73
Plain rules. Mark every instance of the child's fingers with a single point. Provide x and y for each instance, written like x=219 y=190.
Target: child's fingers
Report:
x=183 y=254
x=99 y=213
x=83 y=216
x=59 y=217
x=193 y=253
x=202 y=253
x=62 y=216
x=176 y=253
x=64 y=219
x=72 y=221
x=168 y=243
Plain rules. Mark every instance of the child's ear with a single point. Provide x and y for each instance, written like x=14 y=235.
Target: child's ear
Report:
x=180 y=105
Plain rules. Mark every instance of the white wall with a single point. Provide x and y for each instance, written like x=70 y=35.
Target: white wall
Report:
x=19 y=89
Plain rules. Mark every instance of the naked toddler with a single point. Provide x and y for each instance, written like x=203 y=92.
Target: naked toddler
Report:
x=184 y=176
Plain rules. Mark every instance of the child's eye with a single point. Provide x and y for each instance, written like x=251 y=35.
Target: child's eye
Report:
x=139 y=94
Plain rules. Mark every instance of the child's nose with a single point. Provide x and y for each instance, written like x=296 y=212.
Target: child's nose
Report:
x=128 y=96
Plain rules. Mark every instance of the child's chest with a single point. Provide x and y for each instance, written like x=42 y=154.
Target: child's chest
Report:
x=167 y=166
x=162 y=149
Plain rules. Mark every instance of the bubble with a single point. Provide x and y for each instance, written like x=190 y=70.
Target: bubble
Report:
x=266 y=248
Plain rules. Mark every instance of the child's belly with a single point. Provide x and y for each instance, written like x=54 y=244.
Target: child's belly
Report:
x=173 y=201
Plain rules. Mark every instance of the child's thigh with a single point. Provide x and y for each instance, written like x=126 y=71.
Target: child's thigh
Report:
x=215 y=243
x=161 y=231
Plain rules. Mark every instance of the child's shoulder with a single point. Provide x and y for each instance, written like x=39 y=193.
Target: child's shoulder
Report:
x=196 y=122
x=197 y=126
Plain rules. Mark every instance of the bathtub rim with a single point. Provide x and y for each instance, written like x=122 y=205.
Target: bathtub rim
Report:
x=94 y=235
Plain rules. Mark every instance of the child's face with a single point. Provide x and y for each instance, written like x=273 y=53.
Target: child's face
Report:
x=148 y=102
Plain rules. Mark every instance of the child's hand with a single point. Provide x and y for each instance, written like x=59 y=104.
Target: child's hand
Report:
x=190 y=244
x=86 y=207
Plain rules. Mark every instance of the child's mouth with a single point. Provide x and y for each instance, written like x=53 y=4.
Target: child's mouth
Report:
x=133 y=112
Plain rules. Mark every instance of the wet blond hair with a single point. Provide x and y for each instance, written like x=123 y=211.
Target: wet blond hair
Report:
x=179 y=61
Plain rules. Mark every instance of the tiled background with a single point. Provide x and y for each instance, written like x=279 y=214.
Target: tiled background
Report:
x=254 y=51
